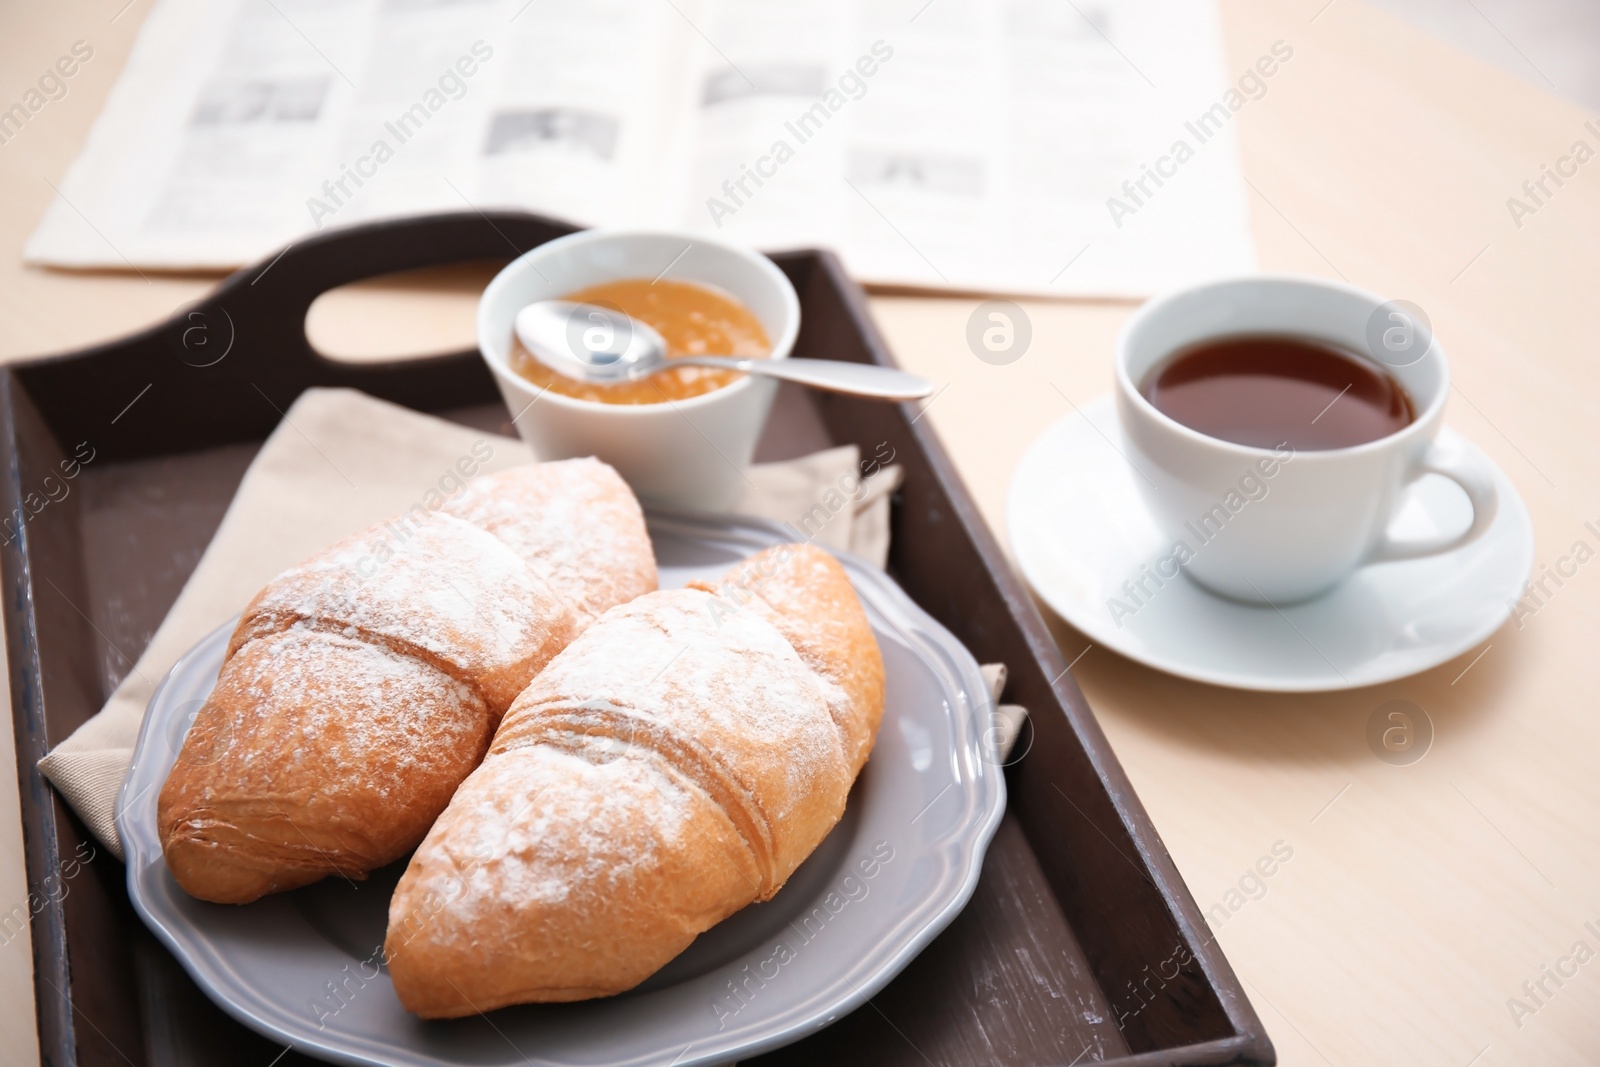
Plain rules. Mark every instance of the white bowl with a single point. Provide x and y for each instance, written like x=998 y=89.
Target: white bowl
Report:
x=685 y=453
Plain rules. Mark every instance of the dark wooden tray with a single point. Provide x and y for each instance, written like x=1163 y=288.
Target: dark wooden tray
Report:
x=1081 y=944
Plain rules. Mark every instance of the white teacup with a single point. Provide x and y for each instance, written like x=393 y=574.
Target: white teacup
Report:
x=1263 y=526
x=689 y=453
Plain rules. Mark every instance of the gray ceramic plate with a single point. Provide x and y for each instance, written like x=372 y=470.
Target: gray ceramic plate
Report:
x=899 y=866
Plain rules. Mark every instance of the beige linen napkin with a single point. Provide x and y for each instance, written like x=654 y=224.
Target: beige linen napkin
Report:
x=341 y=461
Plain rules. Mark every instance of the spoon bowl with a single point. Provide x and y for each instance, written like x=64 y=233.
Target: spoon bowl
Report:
x=590 y=342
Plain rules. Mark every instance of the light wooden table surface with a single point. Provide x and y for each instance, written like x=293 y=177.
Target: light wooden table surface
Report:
x=1420 y=898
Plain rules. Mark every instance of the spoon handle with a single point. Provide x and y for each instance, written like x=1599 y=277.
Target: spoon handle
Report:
x=860 y=379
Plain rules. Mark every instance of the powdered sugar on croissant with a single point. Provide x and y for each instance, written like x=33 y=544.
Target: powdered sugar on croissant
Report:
x=363 y=685
x=675 y=763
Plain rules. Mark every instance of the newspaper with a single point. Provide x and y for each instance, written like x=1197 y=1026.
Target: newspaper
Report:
x=1024 y=146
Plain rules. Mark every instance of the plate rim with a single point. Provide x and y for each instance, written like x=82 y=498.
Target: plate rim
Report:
x=218 y=975
x=1108 y=637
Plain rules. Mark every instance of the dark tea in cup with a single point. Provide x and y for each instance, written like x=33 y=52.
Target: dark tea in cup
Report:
x=1266 y=390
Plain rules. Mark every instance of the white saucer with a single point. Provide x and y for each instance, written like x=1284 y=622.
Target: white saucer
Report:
x=1079 y=529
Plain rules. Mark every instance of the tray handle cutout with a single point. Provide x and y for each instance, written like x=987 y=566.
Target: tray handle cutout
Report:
x=225 y=368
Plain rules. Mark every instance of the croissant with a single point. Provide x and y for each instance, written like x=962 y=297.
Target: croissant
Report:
x=363 y=685
x=676 y=762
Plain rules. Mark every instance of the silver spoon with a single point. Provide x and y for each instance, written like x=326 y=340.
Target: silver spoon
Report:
x=590 y=343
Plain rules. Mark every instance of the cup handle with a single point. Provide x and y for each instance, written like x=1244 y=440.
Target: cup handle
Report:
x=1475 y=479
